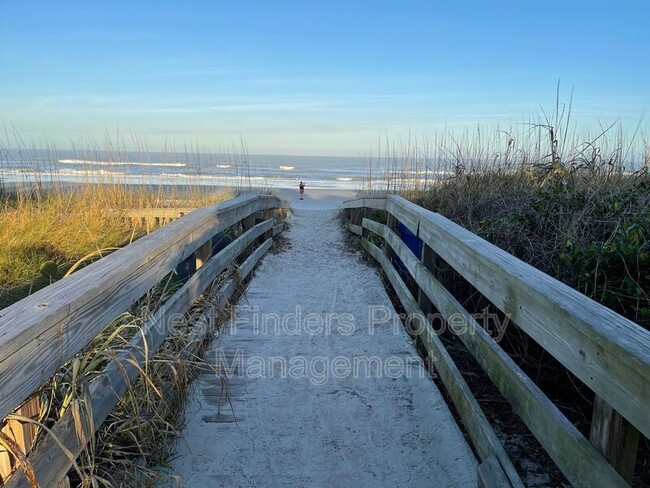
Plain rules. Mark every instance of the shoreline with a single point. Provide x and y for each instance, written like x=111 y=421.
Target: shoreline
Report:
x=325 y=198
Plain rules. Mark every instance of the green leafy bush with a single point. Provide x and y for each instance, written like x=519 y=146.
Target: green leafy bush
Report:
x=616 y=271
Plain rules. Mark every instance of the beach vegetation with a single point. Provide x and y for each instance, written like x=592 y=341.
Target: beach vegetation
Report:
x=49 y=226
x=574 y=204
x=49 y=230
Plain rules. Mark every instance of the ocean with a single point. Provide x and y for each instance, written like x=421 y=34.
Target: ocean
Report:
x=203 y=169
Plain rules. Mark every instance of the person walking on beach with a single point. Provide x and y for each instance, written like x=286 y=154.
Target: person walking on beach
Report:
x=301 y=186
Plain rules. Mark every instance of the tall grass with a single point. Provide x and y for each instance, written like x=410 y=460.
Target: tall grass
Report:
x=47 y=223
x=46 y=226
x=574 y=204
x=133 y=445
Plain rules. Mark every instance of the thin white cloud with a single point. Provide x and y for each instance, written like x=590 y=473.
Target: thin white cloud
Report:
x=200 y=72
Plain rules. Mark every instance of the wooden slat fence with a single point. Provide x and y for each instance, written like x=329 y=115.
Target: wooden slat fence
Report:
x=39 y=334
x=606 y=351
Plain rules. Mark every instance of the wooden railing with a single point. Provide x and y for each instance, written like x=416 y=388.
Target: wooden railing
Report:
x=607 y=352
x=39 y=334
x=154 y=217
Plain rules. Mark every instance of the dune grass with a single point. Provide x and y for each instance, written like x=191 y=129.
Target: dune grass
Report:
x=48 y=229
x=48 y=223
x=133 y=445
x=43 y=232
x=574 y=205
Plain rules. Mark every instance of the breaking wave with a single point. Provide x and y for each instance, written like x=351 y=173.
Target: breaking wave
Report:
x=119 y=163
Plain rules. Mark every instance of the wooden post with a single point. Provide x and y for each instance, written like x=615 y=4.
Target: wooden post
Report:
x=23 y=433
x=357 y=215
x=246 y=224
x=391 y=223
x=259 y=216
x=428 y=258
x=186 y=268
x=269 y=213
x=203 y=253
x=219 y=241
x=615 y=438
x=5 y=464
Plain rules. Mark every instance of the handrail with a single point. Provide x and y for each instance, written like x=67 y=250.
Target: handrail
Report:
x=43 y=331
x=606 y=351
x=483 y=436
x=555 y=432
x=377 y=203
x=49 y=460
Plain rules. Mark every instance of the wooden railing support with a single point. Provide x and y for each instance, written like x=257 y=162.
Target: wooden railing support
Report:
x=23 y=434
x=269 y=213
x=615 y=438
x=219 y=241
x=41 y=332
x=246 y=224
x=203 y=253
x=604 y=350
x=428 y=259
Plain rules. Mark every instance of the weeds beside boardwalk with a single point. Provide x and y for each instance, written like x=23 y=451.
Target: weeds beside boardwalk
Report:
x=60 y=225
x=578 y=211
x=43 y=232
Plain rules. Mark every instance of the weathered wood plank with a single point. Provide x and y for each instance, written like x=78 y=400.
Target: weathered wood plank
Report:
x=247 y=266
x=491 y=475
x=605 y=350
x=48 y=460
x=38 y=334
x=575 y=456
x=614 y=438
x=397 y=208
x=355 y=229
x=483 y=437
x=150 y=214
x=5 y=464
x=23 y=434
x=376 y=203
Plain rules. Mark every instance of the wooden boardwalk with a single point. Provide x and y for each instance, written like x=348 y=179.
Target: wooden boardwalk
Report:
x=314 y=381
x=321 y=425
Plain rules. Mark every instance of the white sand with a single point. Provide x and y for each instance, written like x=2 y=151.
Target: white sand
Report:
x=386 y=427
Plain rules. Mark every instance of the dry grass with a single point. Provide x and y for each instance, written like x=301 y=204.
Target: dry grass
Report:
x=574 y=205
x=134 y=443
x=45 y=219
x=43 y=233
x=44 y=230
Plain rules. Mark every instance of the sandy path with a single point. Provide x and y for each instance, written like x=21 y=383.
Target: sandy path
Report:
x=315 y=422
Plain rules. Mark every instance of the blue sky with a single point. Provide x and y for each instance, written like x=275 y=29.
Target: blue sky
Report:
x=308 y=77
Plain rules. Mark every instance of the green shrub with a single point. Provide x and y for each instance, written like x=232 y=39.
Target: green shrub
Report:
x=615 y=272
x=591 y=232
